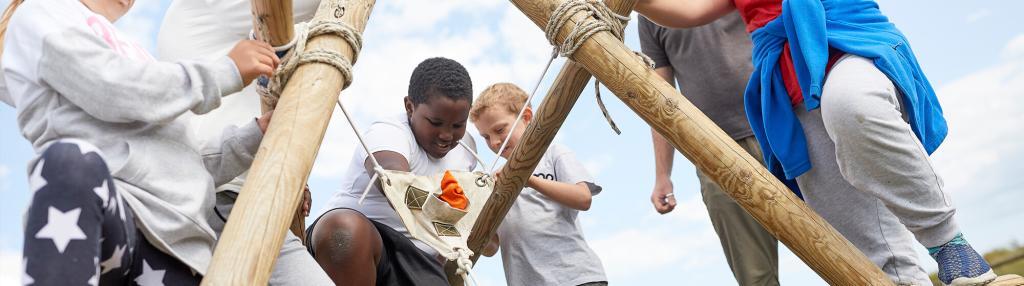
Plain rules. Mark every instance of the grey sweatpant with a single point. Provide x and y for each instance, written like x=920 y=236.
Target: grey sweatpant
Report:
x=294 y=265
x=870 y=176
x=752 y=252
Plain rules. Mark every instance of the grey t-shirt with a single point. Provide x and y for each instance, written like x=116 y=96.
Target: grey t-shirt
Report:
x=711 y=64
x=541 y=240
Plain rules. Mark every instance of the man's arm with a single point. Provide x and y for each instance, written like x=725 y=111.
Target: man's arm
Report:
x=662 y=198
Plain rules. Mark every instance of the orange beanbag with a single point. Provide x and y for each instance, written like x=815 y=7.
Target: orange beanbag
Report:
x=452 y=193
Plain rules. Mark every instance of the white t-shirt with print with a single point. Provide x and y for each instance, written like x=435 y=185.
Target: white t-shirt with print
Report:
x=541 y=240
x=394 y=134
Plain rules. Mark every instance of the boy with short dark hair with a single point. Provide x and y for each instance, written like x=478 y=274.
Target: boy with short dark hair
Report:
x=367 y=244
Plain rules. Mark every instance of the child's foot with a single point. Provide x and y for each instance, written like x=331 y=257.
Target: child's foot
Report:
x=960 y=265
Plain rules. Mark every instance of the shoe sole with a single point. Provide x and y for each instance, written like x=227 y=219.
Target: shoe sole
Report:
x=980 y=280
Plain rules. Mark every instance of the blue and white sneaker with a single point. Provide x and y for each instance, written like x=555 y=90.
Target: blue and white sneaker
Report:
x=960 y=265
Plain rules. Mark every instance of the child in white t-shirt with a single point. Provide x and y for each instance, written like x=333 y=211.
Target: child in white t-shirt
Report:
x=541 y=240
x=364 y=244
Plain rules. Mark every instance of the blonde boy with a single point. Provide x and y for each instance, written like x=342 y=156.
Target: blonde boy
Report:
x=541 y=240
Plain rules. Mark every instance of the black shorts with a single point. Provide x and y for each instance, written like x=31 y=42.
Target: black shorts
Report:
x=401 y=262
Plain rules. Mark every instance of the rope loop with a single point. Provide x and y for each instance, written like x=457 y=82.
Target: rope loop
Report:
x=299 y=56
x=598 y=17
x=465 y=265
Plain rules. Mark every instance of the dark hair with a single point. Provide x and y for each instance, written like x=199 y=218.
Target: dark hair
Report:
x=440 y=76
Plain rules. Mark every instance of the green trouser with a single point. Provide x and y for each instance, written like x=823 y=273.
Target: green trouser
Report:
x=751 y=251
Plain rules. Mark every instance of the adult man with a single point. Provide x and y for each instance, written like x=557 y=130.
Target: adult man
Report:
x=714 y=61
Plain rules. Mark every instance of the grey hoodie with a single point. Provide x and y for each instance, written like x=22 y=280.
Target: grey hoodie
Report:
x=71 y=74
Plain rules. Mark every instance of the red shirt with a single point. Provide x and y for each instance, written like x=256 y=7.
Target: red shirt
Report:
x=757 y=13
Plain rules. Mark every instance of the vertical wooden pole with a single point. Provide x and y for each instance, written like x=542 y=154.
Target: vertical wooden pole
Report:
x=717 y=155
x=272 y=22
x=253 y=236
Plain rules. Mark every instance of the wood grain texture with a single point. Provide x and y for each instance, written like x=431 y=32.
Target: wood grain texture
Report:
x=548 y=119
x=1008 y=280
x=266 y=205
x=272 y=21
x=714 y=153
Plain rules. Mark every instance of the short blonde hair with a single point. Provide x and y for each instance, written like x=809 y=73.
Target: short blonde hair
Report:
x=500 y=96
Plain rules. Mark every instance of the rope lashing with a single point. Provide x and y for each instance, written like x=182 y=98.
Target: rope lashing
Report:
x=598 y=18
x=465 y=265
x=604 y=19
x=299 y=56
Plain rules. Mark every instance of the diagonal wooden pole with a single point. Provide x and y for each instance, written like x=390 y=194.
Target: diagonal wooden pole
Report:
x=713 y=152
x=548 y=119
x=273 y=23
x=253 y=236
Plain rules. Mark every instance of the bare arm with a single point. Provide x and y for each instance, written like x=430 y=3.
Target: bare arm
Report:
x=663 y=156
x=683 y=13
x=389 y=160
x=576 y=196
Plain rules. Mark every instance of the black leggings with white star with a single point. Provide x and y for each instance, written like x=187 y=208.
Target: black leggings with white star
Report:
x=79 y=231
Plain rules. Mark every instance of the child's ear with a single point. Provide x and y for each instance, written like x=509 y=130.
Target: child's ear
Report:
x=527 y=116
x=408 y=106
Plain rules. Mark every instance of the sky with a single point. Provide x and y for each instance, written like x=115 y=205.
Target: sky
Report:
x=972 y=51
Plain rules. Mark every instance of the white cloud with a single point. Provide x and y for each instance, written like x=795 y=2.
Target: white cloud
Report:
x=596 y=165
x=398 y=37
x=142 y=22
x=1014 y=49
x=985 y=110
x=4 y=184
x=10 y=267
x=978 y=15
x=632 y=252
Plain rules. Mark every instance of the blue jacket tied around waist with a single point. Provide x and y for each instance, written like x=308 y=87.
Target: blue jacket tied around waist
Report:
x=810 y=27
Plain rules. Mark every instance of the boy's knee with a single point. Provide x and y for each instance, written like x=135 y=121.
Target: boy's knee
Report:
x=342 y=234
x=71 y=163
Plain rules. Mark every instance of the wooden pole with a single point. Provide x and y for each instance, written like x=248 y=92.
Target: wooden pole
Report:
x=273 y=23
x=253 y=236
x=548 y=119
x=714 y=153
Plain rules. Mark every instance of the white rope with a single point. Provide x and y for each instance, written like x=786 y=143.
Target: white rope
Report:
x=299 y=56
x=504 y=143
x=378 y=171
x=465 y=265
x=475 y=155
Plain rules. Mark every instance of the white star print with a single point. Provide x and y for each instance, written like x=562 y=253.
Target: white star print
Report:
x=103 y=192
x=25 y=278
x=62 y=228
x=150 y=277
x=114 y=261
x=95 y=280
x=36 y=180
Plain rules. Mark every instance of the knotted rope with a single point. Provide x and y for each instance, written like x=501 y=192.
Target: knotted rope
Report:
x=465 y=266
x=298 y=56
x=598 y=18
